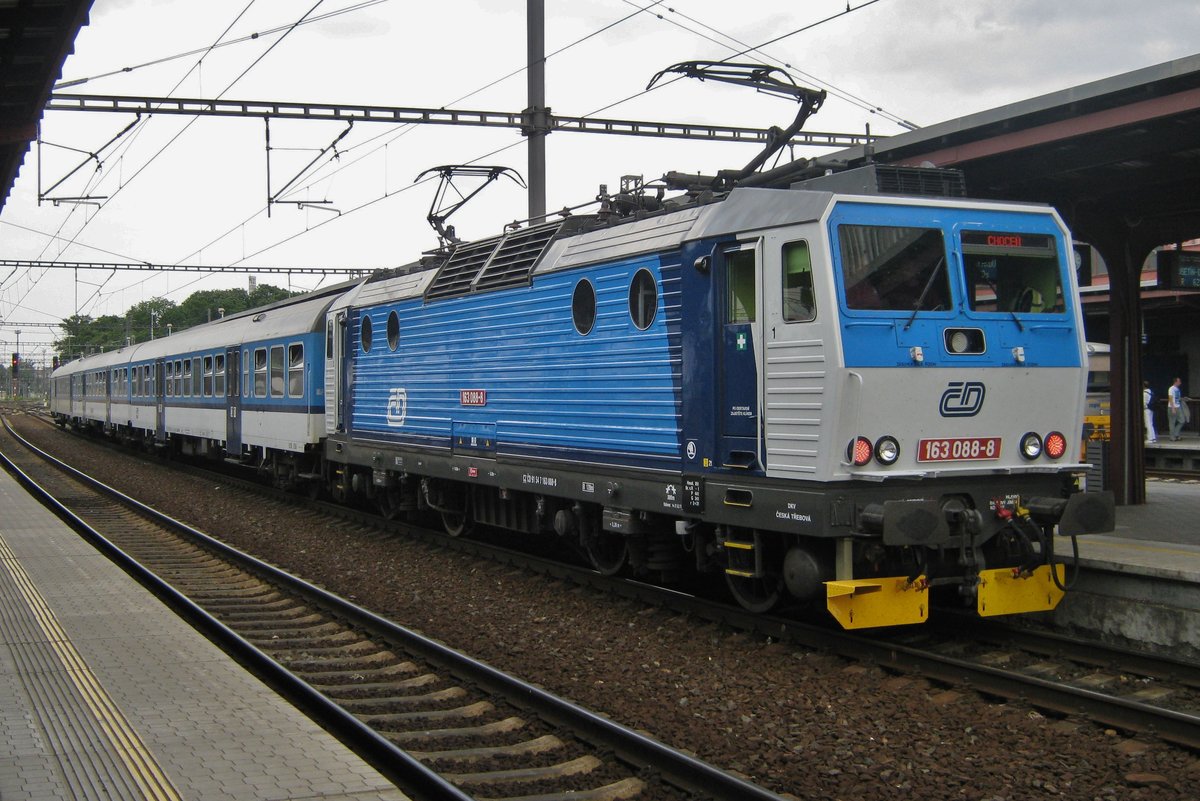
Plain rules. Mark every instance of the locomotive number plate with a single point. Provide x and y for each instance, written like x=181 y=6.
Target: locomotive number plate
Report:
x=958 y=449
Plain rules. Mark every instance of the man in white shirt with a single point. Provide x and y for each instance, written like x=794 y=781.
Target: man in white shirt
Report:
x=1176 y=414
x=1148 y=412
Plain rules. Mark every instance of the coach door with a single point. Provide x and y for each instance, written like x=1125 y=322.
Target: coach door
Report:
x=110 y=386
x=233 y=401
x=160 y=401
x=741 y=337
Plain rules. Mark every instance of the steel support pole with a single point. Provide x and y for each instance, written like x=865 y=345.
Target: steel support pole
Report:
x=536 y=113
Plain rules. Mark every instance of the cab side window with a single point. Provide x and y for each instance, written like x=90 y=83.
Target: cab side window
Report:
x=799 y=302
x=740 y=293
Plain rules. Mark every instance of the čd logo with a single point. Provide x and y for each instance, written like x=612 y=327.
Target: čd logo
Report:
x=962 y=399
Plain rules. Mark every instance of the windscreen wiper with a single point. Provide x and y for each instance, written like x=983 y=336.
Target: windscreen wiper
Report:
x=924 y=292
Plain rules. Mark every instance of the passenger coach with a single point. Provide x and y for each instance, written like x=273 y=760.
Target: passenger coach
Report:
x=248 y=387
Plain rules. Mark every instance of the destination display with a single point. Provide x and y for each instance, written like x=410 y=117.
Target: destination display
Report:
x=998 y=242
x=1178 y=269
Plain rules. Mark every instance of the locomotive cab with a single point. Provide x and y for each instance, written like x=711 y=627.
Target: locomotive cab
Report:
x=898 y=385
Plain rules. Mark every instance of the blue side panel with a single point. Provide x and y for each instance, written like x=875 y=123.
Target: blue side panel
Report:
x=512 y=362
x=879 y=338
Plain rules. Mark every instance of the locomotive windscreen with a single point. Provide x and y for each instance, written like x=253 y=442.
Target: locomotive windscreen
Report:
x=1012 y=272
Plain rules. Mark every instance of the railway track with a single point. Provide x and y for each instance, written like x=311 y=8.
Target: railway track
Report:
x=1058 y=675
x=440 y=724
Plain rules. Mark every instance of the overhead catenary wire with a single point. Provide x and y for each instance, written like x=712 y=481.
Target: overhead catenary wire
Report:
x=834 y=90
x=191 y=122
x=639 y=10
x=204 y=51
x=780 y=38
x=393 y=136
x=54 y=237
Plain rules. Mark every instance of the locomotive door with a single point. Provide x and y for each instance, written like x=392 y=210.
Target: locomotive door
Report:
x=336 y=370
x=795 y=370
x=233 y=400
x=160 y=401
x=741 y=333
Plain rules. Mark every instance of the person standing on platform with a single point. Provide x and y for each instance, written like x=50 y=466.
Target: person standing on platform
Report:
x=1176 y=409
x=1147 y=398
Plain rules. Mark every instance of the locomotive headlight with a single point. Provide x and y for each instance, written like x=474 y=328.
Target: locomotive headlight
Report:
x=959 y=342
x=858 y=452
x=1056 y=445
x=887 y=450
x=1031 y=446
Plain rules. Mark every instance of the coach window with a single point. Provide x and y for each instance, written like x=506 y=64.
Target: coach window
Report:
x=208 y=376
x=583 y=306
x=643 y=299
x=799 y=304
x=219 y=376
x=295 y=371
x=197 y=376
x=277 y=371
x=178 y=378
x=247 y=384
x=170 y=383
x=365 y=334
x=260 y=372
x=187 y=378
x=740 y=292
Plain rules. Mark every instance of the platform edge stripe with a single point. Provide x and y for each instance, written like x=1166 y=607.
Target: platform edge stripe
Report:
x=133 y=753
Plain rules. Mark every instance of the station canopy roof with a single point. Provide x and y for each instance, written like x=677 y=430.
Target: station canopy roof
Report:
x=36 y=36
x=1124 y=148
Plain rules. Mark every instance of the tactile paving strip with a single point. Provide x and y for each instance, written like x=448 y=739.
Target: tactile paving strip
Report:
x=73 y=714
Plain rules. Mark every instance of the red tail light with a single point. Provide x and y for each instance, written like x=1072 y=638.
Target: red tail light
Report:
x=858 y=452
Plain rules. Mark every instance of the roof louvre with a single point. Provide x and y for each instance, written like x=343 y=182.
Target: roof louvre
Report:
x=496 y=263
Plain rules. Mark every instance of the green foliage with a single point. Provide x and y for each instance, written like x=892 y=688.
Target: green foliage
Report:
x=150 y=319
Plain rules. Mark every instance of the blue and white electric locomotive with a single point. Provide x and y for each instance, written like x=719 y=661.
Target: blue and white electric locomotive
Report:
x=864 y=397
x=814 y=393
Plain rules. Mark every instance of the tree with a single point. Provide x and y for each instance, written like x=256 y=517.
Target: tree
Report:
x=149 y=319
x=83 y=335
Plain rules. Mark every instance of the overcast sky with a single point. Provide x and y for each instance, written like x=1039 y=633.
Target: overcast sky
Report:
x=193 y=191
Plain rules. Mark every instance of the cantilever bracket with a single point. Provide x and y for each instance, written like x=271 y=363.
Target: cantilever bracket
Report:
x=44 y=194
x=273 y=198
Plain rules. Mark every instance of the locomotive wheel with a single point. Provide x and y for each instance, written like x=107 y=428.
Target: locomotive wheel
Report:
x=757 y=595
x=607 y=552
x=456 y=524
x=388 y=507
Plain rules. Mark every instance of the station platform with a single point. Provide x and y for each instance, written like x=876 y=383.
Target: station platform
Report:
x=1167 y=454
x=106 y=694
x=1141 y=583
